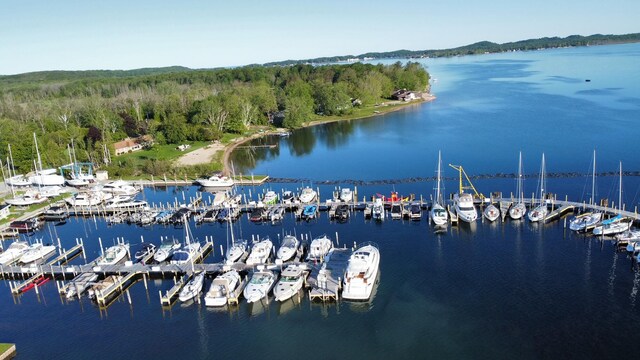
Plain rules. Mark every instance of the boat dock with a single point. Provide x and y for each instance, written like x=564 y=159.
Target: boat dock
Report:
x=325 y=280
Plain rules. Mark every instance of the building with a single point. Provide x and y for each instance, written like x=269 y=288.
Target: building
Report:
x=130 y=145
x=403 y=95
x=4 y=211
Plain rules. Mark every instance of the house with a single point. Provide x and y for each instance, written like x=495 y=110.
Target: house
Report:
x=129 y=145
x=403 y=95
x=4 y=211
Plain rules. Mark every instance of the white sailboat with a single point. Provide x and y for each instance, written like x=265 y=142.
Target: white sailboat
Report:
x=45 y=177
x=14 y=179
x=491 y=213
x=518 y=209
x=438 y=214
x=188 y=253
x=588 y=220
x=166 y=250
x=539 y=213
x=192 y=288
x=618 y=224
x=237 y=250
x=30 y=197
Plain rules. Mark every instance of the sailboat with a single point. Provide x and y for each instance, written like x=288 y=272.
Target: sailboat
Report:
x=588 y=220
x=617 y=224
x=540 y=211
x=45 y=177
x=518 y=209
x=437 y=213
x=15 y=179
x=237 y=250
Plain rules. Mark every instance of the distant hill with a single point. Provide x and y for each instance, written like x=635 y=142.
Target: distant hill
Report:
x=477 y=48
x=65 y=76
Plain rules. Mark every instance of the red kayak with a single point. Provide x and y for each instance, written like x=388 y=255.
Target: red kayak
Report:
x=41 y=280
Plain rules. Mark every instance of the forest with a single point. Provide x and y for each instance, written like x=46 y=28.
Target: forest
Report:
x=174 y=105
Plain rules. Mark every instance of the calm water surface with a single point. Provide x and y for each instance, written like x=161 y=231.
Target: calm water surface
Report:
x=512 y=290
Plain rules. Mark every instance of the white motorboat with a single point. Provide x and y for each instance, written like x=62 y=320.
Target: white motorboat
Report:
x=221 y=287
x=288 y=248
x=46 y=178
x=80 y=284
x=518 y=210
x=361 y=273
x=103 y=285
x=30 y=197
x=119 y=187
x=260 y=252
x=216 y=181
x=613 y=226
x=192 y=288
x=308 y=195
x=50 y=191
x=288 y=197
x=346 y=195
x=259 y=286
x=463 y=205
x=276 y=213
x=237 y=250
x=133 y=204
x=396 y=211
x=145 y=250
x=585 y=221
x=290 y=283
x=491 y=213
x=13 y=252
x=270 y=198
x=539 y=213
x=319 y=248
x=83 y=199
x=186 y=254
x=82 y=180
x=378 y=212
x=114 y=255
x=166 y=250
x=18 y=181
x=37 y=253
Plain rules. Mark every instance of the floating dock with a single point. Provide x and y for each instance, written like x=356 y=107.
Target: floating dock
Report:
x=325 y=279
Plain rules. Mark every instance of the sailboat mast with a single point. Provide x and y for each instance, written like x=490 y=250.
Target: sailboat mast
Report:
x=12 y=164
x=438 y=179
x=620 y=192
x=38 y=152
x=542 y=181
x=593 y=180
x=520 y=177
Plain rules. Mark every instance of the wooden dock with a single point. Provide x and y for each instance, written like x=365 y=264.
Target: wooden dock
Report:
x=325 y=278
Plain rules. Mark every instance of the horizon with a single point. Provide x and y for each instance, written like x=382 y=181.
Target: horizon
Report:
x=78 y=36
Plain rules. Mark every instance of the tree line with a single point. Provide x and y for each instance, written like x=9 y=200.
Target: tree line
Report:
x=175 y=105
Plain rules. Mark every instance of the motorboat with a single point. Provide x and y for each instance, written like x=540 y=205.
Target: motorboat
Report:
x=585 y=221
x=223 y=214
x=361 y=272
x=103 y=285
x=438 y=215
x=290 y=283
x=415 y=211
x=85 y=199
x=615 y=225
x=276 y=213
x=50 y=191
x=26 y=226
x=163 y=216
x=37 y=252
x=30 y=197
x=133 y=204
x=80 y=284
x=145 y=250
x=47 y=177
x=518 y=210
x=13 y=253
x=237 y=250
x=258 y=214
x=270 y=198
x=259 y=286
x=378 y=212
x=309 y=212
x=119 y=187
x=180 y=216
x=308 y=195
x=491 y=213
x=166 y=250
x=55 y=213
x=463 y=205
x=288 y=197
x=219 y=198
x=210 y=215
x=114 y=255
x=80 y=180
x=192 y=288
x=342 y=212
x=18 y=181
x=319 y=248
x=396 y=211
x=186 y=254
x=222 y=287
x=288 y=248
x=216 y=181
x=346 y=195
x=539 y=213
x=260 y=252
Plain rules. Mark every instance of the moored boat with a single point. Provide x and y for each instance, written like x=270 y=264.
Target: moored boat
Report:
x=319 y=248
x=37 y=252
x=222 y=287
x=13 y=253
x=216 y=181
x=288 y=248
x=192 y=288
x=361 y=272
x=260 y=252
x=290 y=283
x=491 y=213
x=166 y=250
x=114 y=255
x=308 y=195
x=259 y=286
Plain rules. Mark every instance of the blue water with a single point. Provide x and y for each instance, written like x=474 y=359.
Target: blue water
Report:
x=512 y=290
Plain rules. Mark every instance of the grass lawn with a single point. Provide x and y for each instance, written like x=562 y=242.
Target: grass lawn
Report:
x=4 y=347
x=366 y=111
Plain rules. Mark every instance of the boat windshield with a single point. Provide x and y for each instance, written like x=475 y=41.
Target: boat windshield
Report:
x=466 y=208
x=289 y=279
x=260 y=279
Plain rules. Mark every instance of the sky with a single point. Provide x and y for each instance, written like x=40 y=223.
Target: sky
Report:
x=38 y=35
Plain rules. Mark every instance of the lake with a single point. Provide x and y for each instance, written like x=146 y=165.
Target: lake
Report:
x=500 y=290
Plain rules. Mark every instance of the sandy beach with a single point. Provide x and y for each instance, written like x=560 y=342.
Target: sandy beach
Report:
x=200 y=156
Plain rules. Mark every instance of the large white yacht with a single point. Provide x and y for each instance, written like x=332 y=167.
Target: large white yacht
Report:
x=81 y=199
x=221 y=287
x=290 y=283
x=377 y=211
x=260 y=252
x=119 y=187
x=463 y=205
x=361 y=273
x=346 y=195
x=307 y=195
x=37 y=252
x=13 y=252
x=259 y=286
x=288 y=248
x=216 y=181
x=319 y=248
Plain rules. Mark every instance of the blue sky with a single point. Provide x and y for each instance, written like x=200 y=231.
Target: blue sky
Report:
x=79 y=35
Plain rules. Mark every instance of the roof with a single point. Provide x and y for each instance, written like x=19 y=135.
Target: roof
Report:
x=129 y=142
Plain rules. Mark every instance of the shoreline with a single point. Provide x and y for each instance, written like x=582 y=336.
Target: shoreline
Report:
x=228 y=149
